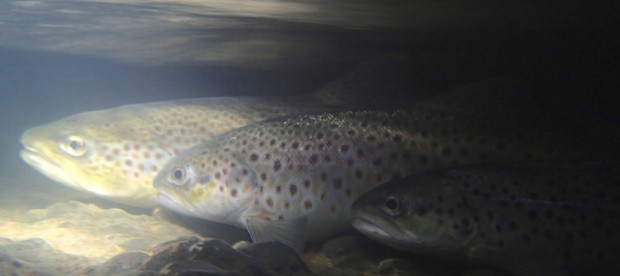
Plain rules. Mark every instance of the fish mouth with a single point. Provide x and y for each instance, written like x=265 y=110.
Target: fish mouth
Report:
x=172 y=203
x=48 y=167
x=370 y=228
x=35 y=158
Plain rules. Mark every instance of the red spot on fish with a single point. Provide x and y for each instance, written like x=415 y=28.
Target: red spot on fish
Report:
x=233 y=192
x=295 y=145
x=322 y=195
x=307 y=184
x=344 y=148
x=278 y=189
x=269 y=202
x=287 y=205
x=307 y=205
x=267 y=156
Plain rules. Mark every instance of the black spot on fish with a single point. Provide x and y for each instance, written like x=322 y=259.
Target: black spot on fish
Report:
x=233 y=192
x=320 y=135
x=253 y=157
x=295 y=145
x=569 y=237
x=337 y=183
x=358 y=173
x=313 y=159
x=423 y=159
x=548 y=214
x=513 y=226
x=277 y=165
x=547 y=234
x=376 y=161
x=450 y=212
x=406 y=155
x=490 y=216
x=525 y=238
x=532 y=214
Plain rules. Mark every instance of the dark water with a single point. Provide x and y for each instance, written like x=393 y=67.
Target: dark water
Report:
x=58 y=58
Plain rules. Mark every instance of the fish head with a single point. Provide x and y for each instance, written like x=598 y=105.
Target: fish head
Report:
x=103 y=153
x=207 y=182
x=417 y=214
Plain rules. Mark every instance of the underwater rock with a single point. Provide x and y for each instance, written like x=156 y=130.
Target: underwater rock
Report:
x=216 y=257
x=36 y=257
x=73 y=237
x=129 y=263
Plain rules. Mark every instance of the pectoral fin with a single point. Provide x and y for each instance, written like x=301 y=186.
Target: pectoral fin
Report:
x=289 y=232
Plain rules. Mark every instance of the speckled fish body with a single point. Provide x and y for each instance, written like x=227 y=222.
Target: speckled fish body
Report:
x=290 y=176
x=529 y=219
x=116 y=153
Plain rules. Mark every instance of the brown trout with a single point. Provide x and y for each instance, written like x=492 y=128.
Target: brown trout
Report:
x=295 y=177
x=115 y=153
x=536 y=218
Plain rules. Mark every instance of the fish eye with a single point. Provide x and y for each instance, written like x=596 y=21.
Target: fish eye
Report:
x=178 y=176
x=391 y=206
x=74 y=146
